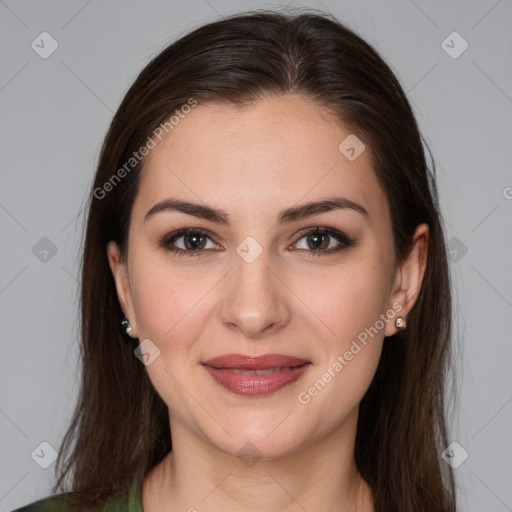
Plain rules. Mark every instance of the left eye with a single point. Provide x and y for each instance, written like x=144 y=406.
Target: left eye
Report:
x=321 y=240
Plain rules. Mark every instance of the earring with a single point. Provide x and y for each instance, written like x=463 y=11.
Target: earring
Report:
x=400 y=323
x=126 y=324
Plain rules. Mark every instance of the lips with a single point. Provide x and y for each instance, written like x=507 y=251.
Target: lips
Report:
x=252 y=376
x=264 y=362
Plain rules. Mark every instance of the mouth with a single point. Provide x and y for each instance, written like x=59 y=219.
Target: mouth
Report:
x=268 y=371
x=255 y=376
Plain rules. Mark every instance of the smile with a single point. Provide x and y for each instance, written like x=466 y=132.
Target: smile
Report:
x=256 y=382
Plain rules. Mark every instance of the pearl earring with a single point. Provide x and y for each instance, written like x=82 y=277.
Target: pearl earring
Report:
x=400 y=323
x=126 y=324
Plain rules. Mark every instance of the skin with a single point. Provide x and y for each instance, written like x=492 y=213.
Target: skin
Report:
x=253 y=162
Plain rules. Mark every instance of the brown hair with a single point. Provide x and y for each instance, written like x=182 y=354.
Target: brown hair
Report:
x=120 y=427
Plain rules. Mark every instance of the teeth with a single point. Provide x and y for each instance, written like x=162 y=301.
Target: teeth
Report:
x=268 y=371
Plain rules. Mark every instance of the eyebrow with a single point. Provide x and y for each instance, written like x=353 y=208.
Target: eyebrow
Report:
x=285 y=216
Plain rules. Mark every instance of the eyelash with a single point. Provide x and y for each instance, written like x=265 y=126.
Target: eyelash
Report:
x=344 y=241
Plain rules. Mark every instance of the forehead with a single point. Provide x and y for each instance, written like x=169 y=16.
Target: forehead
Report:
x=272 y=153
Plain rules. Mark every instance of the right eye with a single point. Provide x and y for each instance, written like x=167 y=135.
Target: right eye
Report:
x=193 y=242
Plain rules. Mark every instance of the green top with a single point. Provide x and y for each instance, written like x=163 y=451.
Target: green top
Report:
x=131 y=502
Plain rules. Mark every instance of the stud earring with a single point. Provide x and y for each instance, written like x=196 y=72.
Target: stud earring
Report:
x=126 y=324
x=400 y=323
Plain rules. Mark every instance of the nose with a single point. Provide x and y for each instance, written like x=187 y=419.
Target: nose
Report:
x=255 y=300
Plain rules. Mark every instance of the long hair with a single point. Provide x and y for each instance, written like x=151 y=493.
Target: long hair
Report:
x=120 y=427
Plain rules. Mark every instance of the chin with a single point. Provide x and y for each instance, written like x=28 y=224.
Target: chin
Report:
x=267 y=437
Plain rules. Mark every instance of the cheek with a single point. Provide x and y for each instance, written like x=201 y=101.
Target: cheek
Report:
x=171 y=309
x=165 y=297
x=157 y=304
x=350 y=304
x=338 y=388
x=347 y=299
x=348 y=357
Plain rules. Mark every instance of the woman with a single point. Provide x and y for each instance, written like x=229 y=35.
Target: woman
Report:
x=266 y=306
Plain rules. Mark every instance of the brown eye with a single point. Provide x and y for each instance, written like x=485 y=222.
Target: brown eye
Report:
x=195 y=241
x=188 y=242
x=318 y=240
x=322 y=241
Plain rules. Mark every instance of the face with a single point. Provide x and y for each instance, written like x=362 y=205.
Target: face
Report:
x=262 y=274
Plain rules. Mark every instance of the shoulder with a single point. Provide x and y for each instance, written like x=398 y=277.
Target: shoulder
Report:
x=52 y=503
x=129 y=502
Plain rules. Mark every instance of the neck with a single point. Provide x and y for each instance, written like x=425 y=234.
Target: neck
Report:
x=198 y=476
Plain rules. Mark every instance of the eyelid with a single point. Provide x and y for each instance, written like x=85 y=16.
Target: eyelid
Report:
x=166 y=241
x=343 y=239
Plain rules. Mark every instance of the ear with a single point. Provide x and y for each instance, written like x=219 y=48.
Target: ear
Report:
x=124 y=294
x=409 y=276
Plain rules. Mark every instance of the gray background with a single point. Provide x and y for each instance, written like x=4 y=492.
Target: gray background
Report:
x=55 y=113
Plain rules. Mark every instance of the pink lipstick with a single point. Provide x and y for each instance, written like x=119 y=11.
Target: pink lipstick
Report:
x=255 y=375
